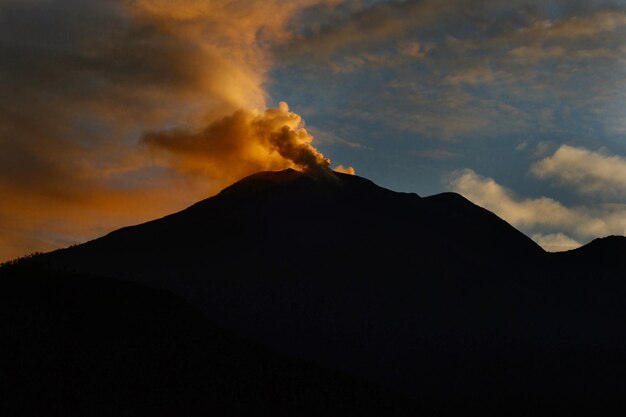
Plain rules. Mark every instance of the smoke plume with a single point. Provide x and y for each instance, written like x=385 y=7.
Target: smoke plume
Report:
x=345 y=170
x=81 y=86
x=245 y=142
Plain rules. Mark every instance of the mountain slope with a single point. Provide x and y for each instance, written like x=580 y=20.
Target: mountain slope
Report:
x=272 y=216
x=435 y=296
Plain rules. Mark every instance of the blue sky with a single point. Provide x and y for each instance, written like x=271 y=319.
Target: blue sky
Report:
x=490 y=87
x=116 y=112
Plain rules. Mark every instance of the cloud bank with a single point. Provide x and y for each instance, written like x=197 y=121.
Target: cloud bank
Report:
x=550 y=223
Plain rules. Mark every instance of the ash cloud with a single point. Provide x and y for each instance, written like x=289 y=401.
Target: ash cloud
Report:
x=345 y=170
x=82 y=81
x=245 y=142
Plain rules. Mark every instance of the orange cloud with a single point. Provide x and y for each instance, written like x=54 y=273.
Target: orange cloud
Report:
x=38 y=222
x=81 y=90
x=345 y=170
x=241 y=144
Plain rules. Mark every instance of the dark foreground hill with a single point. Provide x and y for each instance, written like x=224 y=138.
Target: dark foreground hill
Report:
x=80 y=345
x=433 y=297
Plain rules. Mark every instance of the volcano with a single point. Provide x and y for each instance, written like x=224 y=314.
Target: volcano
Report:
x=433 y=303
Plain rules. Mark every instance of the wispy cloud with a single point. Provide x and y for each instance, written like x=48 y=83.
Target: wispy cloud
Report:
x=575 y=27
x=472 y=76
x=460 y=68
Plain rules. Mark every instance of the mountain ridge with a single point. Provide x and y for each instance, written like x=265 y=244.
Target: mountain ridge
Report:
x=266 y=181
x=433 y=297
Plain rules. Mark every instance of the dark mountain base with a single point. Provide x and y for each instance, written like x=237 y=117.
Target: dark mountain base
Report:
x=435 y=298
x=79 y=345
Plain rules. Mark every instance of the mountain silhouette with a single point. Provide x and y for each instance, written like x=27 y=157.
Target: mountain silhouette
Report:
x=432 y=297
x=82 y=345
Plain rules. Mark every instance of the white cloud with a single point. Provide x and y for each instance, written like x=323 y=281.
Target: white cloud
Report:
x=520 y=212
x=541 y=217
x=587 y=171
x=556 y=242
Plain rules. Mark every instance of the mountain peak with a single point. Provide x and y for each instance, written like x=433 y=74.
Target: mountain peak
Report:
x=281 y=177
x=266 y=180
x=441 y=292
x=608 y=247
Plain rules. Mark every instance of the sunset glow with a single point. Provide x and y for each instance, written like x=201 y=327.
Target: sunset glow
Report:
x=116 y=112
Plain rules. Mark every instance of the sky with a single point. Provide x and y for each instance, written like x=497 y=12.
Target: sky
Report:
x=115 y=112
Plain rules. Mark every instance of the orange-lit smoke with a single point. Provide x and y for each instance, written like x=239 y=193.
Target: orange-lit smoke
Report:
x=234 y=135
x=226 y=46
x=74 y=109
x=245 y=142
x=345 y=170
